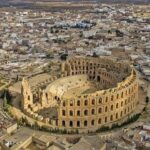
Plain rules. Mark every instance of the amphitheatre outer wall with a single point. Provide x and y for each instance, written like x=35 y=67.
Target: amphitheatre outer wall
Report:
x=116 y=98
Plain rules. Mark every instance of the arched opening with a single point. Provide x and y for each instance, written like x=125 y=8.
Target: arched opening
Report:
x=28 y=97
x=87 y=68
x=78 y=113
x=93 y=101
x=100 y=110
x=117 y=105
x=117 y=96
x=92 y=122
x=106 y=99
x=86 y=112
x=64 y=104
x=105 y=119
x=99 y=121
x=100 y=100
x=125 y=111
x=98 y=78
x=78 y=123
x=85 y=102
x=46 y=96
x=63 y=123
x=93 y=111
x=78 y=103
x=112 y=98
x=85 y=123
x=111 y=118
x=71 y=124
x=106 y=109
x=63 y=113
x=116 y=115
x=122 y=95
x=71 y=103
x=121 y=103
x=71 y=113
x=121 y=114
x=111 y=108
x=126 y=102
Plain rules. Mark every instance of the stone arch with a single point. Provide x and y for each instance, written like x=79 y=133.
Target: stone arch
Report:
x=125 y=101
x=85 y=123
x=86 y=112
x=71 y=123
x=46 y=94
x=128 y=109
x=99 y=121
x=93 y=101
x=98 y=78
x=117 y=105
x=63 y=112
x=71 y=113
x=86 y=102
x=93 y=111
x=100 y=100
x=64 y=103
x=111 y=118
x=121 y=114
x=78 y=123
x=99 y=110
x=71 y=103
x=112 y=97
x=78 y=113
x=125 y=111
x=106 y=109
x=122 y=95
x=28 y=97
x=78 y=103
x=105 y=119
x=92 y=122
x=63 y=123
x=116 y=115
x=121 y=103
x=106 y=99
x=111 y=108
x=117 y=96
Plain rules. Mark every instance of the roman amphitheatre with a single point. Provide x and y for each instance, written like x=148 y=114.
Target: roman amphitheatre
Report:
x=87 y=93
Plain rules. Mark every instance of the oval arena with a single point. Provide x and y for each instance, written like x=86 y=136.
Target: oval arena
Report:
x=87 y=93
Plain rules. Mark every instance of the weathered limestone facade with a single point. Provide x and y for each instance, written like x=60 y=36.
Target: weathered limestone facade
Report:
x=91 y=92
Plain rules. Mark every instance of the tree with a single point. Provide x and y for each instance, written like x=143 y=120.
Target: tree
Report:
x=5 y=101
x=94 y=54
x=7 y=96
x=63 y=56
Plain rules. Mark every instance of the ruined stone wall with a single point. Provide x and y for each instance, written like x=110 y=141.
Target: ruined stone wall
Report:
x=116 y=100
x=104 y=106
x=99 y=108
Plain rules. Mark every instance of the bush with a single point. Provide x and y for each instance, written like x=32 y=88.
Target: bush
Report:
x=115 y=125
x=103 y=128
